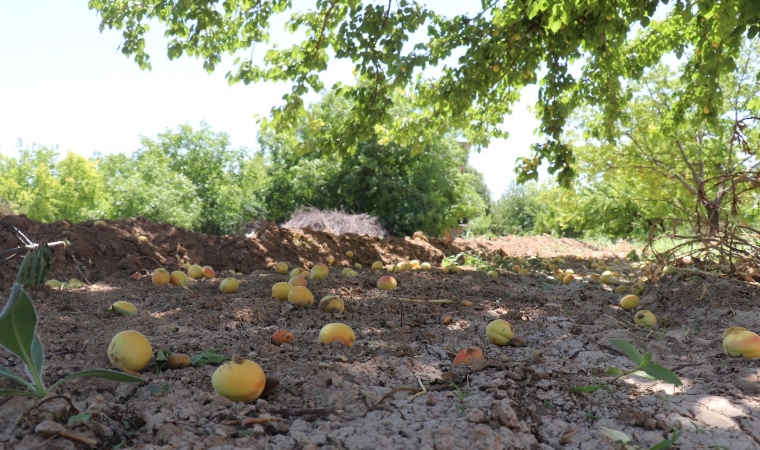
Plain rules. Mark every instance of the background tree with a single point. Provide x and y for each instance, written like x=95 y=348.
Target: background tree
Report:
x=45 y=189
x=225 y=181
x=658 y=167
x=483 y=58
x=429 y=190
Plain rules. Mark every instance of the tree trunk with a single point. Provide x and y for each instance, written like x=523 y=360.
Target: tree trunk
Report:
x=713 y=215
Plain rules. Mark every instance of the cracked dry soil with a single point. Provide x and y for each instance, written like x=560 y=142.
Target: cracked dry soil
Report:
x=371 y=396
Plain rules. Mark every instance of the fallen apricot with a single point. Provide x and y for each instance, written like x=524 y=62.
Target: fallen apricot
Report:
x=469 y=356
x=282 y=337
x=281 y=290
x=320 y=271
x=500 y=332
x=337 y=332
x=733 y=330
x=330 y=260
x=629 y=302
x=466 y=303
x=357 y=266
x=229 y=285
x=300 y=296
x=349 y=272
x=208 y=272
x=387 y=283
x=186 y=266
x=493 y=274
x=568 y=278
x=298 y=280
x=524 y=272
x=350 y=254
x=281 y=267
x=160 y=276
x=122 y=307
x=130 y=350
x=425 y=266
x=606 y=277
x=179 y=278
x=55 y=284
x=377 y=265
x=195 y=272
x=239 y=380
x=332 y=304
x=177 y=361
x=622 y=289
x=645 y=318
x=100 y=223
x=744 y=343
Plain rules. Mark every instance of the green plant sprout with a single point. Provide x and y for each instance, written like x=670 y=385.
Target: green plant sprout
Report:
x=644 y=368
x=644 y=365
x=618 y=437
x=18 y=323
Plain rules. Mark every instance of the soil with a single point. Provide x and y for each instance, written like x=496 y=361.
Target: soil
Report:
x=396 y=386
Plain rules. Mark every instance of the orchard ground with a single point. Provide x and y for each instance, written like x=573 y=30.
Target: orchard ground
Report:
x=370 y=395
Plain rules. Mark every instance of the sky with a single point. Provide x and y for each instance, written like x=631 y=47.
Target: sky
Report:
x=64 y=83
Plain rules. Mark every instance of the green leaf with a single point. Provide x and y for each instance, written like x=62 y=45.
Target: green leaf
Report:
x=24 y=393
x=207 y=357
x=18 y=321
x=617 y=436
x=667 y=443
x=613 y=371
x=628 y=349
x=159 y=391
x=646 y=359
x=8 y=374
x=160 y=358
x=79 y=419
x=99 y=373
x=662 y=374
x=641 y=373
x=115 y=310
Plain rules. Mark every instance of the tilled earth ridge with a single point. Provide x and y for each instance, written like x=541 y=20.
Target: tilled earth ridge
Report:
x=369 y=395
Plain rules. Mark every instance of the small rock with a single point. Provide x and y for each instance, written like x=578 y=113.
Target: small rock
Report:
x=48 y=428
x=518 y=342
x=431 y=401
x=476 y=416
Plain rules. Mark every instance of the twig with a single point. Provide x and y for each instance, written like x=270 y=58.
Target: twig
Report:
x=413 y=396
x=75 y=437
x=391 y=393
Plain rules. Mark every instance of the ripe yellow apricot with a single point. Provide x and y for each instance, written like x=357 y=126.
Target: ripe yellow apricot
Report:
x=337 y=332
x=130 y=350
x=568 y=278
x=387 y=283
x=330 y=260
x=493 y=274
x=320 y=271
x=524 y=272
x=100 y=223
x=377 y=265
x=332 y=304
x=179 y=278
x=622 y=289
x=300 y=296
x=629 y=302
x=208 y=272
x=195 y=272
x=127 y=307
x=350 y=254
x=744 y=343
x=733 y=330
x=281 y=267
x=229 y=285
x=281 y=290
x=645 y=318
x=160 y=276
x=298 y=280
x=425 y=266
x=500 y=332
x=239 y=380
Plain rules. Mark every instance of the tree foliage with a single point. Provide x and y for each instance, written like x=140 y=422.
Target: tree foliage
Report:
x=482 y=59
x=429 y=191
x=656 y=167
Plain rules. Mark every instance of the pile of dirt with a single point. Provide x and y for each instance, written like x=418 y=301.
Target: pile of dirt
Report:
x=120 y=248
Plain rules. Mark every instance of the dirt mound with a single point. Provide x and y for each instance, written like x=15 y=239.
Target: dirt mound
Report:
x=122 y=247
